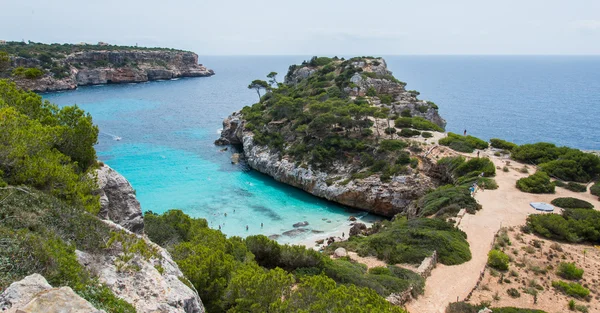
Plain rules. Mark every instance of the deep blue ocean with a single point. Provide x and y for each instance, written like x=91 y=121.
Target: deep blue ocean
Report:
x=168 y=129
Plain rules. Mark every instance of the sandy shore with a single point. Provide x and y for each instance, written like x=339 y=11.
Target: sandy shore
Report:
x=505 y=206
x=310 y=241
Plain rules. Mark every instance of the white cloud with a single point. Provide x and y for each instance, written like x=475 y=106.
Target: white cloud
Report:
x=587 y=25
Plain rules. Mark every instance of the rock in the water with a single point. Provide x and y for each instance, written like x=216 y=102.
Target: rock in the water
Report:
x=235 y=158
x=294 y=232
x=274 y=236
x=301 y=224
x=340 y=252
x=58 y=300
x=358 y=229
x=22 y=291
x=352 y=218
x=118 y=201
x=320 y=241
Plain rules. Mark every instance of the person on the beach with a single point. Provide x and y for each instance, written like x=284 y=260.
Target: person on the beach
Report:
x=472 y=189
x=465 y=133
x=225 y=214
x=477 y=154
x=246 y=227
x=261 y=225
x=219 y=227
x=343 y=234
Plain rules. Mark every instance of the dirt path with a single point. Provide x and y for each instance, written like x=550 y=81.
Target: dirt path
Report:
x=505 y=206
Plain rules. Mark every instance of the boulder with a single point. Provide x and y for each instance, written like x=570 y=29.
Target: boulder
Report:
x=117 y=200
x=58 y=300
x=352 y=218
x=294 y=232
x=235 y=158
x=300 y=224
x=357 y=229
x=340 y=252
x=20 y=292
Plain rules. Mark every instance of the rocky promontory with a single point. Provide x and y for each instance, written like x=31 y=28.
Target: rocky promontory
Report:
x=343 y=130
x=44 y=68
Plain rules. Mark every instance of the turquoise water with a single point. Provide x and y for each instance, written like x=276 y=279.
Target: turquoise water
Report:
x=168 y=129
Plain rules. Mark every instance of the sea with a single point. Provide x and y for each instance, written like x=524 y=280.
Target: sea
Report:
x=167 y=129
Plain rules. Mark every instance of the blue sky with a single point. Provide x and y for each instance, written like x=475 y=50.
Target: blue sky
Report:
x=311 y=27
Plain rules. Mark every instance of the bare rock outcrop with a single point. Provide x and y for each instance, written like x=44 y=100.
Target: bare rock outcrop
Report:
x=117 y=200
x=152 y=284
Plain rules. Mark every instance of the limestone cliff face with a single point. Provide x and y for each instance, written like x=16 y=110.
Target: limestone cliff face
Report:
x=113 y=67
x=117 y=200
x=369 y=194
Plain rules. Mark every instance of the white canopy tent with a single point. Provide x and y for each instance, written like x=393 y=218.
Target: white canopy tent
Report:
x=542 y=206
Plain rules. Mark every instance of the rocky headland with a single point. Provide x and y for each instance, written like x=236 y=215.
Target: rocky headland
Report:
x=342 y=161
x=45 y=68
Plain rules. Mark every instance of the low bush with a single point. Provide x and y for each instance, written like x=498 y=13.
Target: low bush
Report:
x=502 y=144
x=445 y=197
x=571 y=289
x=407 y=132
x=575 y=187
x=464 y=307
x=410 y=241
x=426 y=134
x=463 y=143
x=392 y=145
x=569 y=271
x=498 y=260
x=29 y=73
x=536 y=183
x=574 y=225
x=571 y=203
x=513 y=293
x=595 y=189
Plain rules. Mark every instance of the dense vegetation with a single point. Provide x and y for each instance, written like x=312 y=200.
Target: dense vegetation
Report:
x=447 y=200
x=575 y=187
x=571 y=289
x=560 y=162
x=574 y=225
x=537 y=183
x=502 y=144
x=595 y=190
x=47 y=147
x=569 y=271
x=253 y=274
x=410 y=241
x=572 y=203
x=319 y=120
x=498 y=260
x=46 y=192
x=460 y=143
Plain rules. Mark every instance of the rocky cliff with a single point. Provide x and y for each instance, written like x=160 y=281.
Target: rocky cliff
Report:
x=117 y=200
x=152 y=283
x=369 y=194
x=67 y=70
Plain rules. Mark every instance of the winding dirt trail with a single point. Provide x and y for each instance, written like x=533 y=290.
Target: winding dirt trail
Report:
x=505 y=206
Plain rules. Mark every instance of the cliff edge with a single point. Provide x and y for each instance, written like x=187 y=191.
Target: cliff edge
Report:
x=42 y=68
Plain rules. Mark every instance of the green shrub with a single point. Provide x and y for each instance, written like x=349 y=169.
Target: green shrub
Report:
x=390 y=130
x=423 y=124
x=29 y=73
x=406 y=113
x=502 y=144
x=595 y=189
x=403 y=122
x=513 y=293
x=426 y=134
x=569 y=271
x=392 y=145
x=445 y=198
x=574 y=225
x=575 y=187
x=410 y=241
x=463 y=143
x=572 y=203
x=561 y=162
x=498 y=260
x=407 y=132
x=571 y=289
x=536 y=183
x=464 y=307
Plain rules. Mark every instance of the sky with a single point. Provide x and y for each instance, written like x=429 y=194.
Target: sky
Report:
x=314 y=27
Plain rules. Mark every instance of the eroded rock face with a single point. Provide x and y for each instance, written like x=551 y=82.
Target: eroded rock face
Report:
x=153 y=285
x=117 y=200
x=127 y=66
